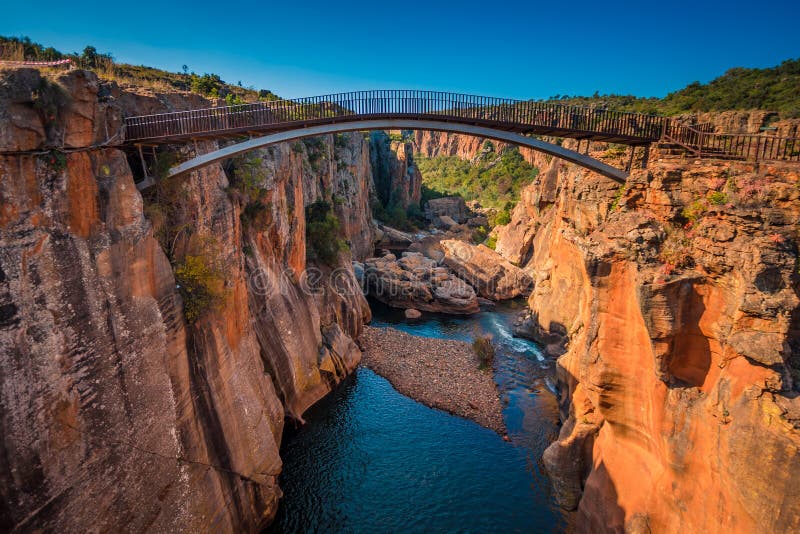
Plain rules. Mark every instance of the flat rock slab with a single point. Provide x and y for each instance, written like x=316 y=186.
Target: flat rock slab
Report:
x=440 y=373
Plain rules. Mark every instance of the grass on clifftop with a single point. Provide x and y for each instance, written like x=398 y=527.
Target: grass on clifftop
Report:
x=494 y=179
x=209 y=85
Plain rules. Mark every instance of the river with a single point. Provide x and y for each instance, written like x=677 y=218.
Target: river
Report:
x=372 y=460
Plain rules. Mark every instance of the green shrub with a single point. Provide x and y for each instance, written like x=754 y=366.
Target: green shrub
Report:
x=492 y=242
x=415 y=215
x=234 y=100
x=718 y=198
x=694 y=211
x=254 y=215
x=616 y=151
x=249 y=176
x=207 y=84
x=618 y=196
x=484 y=349
x=502 y=218
x=56 y=161
x=322 y=234
x=394 y=215
x=165 y=160
x=429 y=194
x=479 y=235
x=201 y=283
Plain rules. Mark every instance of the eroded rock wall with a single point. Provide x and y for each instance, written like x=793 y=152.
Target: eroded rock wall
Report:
x=673 y=304
x=116 y=411
x=398 y=181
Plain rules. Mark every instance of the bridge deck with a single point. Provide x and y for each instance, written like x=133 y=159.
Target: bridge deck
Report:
x=523 y=117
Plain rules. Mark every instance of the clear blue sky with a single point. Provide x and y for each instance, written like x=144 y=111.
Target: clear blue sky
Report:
x=518 y=49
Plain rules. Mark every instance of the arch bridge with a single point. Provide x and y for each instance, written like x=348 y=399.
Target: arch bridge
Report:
x=512 y=121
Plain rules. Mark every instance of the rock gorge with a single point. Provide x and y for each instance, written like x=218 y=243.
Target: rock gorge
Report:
x=670 y=302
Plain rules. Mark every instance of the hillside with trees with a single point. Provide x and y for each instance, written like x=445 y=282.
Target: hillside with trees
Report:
x=774 y=89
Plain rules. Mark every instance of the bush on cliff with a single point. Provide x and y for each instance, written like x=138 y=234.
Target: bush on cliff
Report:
x=200 y=275
x=323 y=243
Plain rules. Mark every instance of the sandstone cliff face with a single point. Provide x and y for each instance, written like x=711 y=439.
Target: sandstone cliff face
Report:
x=397 y=179
x=116 y=411
x=673 y=302
x=435 y=144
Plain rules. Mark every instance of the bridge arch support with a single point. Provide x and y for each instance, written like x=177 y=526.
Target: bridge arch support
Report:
x=401 y=124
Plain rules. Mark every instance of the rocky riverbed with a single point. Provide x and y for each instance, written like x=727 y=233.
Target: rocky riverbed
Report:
x=443 y=374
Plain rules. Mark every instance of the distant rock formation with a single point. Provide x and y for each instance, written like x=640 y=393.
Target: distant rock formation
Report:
x=398 y=181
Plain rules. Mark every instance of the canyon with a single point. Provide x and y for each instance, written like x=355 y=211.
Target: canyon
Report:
x=670 y=302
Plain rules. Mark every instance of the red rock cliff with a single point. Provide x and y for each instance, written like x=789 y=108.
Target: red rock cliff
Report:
x=673 y=304
x=117 y=412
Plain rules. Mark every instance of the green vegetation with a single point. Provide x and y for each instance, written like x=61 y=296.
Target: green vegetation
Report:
x=247 y=186
x=322 y=233
x=56 y=161
x=401 y=137
x=775 y=89
x=394 y=215
x=694 y=211
x=479 y=234
x=23 y=49
x=718 y=198
x=503 y=216
x=484 y=349
x=494 y=180
x=201 y=280
x=618 y=196
x=492 y=242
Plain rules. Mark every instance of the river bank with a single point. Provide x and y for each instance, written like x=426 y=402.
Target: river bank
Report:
x=440 y=373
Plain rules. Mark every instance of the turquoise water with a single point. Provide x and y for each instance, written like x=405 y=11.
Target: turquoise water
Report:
x=371 y=460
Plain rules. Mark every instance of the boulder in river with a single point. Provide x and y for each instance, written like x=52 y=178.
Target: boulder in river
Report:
x=492 y=276
x=414 y=281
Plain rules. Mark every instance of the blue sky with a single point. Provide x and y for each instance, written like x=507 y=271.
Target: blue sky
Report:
x=511 y=49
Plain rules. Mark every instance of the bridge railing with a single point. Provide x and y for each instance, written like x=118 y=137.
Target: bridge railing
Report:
x=518 y=114
x=750 y=147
